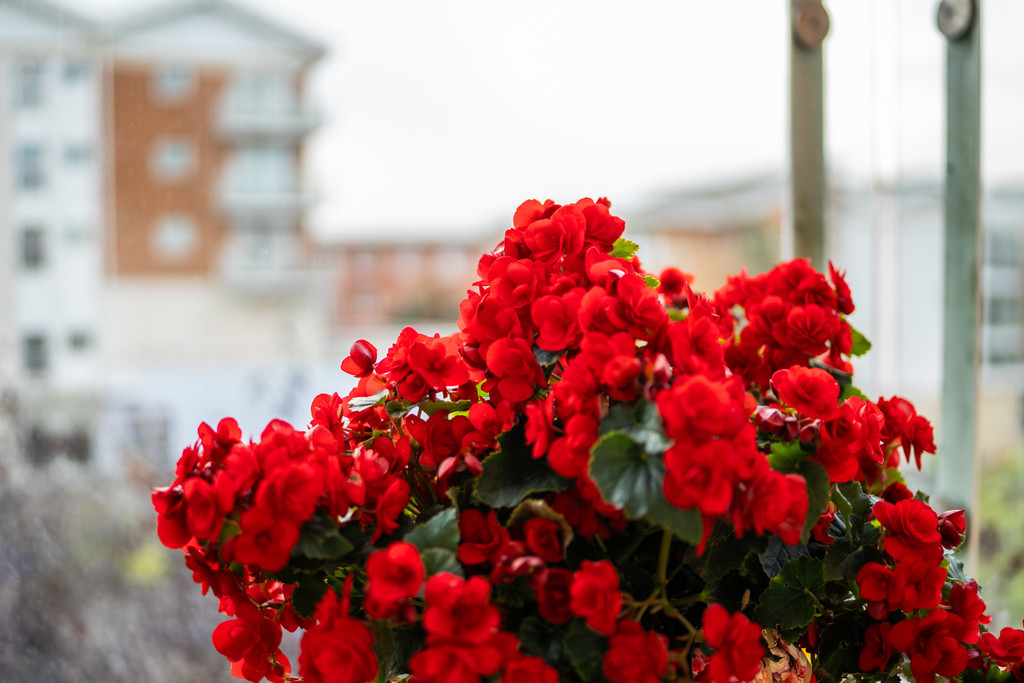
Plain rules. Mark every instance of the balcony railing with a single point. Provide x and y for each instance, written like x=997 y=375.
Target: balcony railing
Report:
x=278 y=205
x=234 y=123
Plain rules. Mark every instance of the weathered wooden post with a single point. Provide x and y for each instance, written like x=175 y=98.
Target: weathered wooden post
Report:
x=959 y=21
x=806 y=129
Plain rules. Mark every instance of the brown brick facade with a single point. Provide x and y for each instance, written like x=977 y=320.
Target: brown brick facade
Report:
x=141 y=120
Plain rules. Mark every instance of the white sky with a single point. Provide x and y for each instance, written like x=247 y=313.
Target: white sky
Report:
x=443 y=115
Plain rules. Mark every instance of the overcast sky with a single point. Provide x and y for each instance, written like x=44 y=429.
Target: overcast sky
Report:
x=445 y=114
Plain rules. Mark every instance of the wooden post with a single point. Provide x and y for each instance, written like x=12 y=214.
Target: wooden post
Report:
x=962 y=320
x=806 y=129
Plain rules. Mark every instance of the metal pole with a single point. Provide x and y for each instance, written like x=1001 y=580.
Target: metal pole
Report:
x=960 y=22
x=806 y=133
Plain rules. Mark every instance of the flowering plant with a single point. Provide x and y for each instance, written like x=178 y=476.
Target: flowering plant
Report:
x=602 y=477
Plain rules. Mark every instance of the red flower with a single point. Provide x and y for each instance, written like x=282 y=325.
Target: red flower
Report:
x=844 y=301
x=266 y=539
x=172 y=517
x=362 y=358
x=516 y=372
x=337 y=649
x=553 y=595
x=602 y=227
x=880 y=585
x=933 y=645
x=672 y=282
x=700 y=476
x=458 y=610
x=292 y=491
x=698 y=409
x=966 y=604
x=912 y=528
x=878 y=650
x=922 y=583
x=569 y=454
x=544 y=538
x=812 y=392
x=482 y=537
x=737 y=642
x=551 y=238
x=237 y=638
x=1007 y=650
x=557 y=319
x=390 y=507
x=635 y=655
x=529 y=670
x=395 y=573
x=595 y=595
x=806 y=328
x=952 y=525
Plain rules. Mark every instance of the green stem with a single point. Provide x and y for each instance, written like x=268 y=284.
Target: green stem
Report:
x=631 y=548
x=666 y=547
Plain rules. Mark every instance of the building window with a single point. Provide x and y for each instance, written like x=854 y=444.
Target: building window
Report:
x=173 y=82
x=174 y=158
x=28 y=164
x=260 y=169
x=79 y=340
x=175 y=238
x=263 y=92
x=33 y=248
x=75 y=70
x=1004 y=249
x=78 y=153
x=36 y=356
x=28 y=89
x=77 y=234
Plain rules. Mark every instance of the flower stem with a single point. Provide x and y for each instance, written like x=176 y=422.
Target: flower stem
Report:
x=666 y=546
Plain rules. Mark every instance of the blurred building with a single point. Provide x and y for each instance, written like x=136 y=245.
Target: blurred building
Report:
x=383 y=281
x=889 y=240
x=152 y=208
x=52 y=220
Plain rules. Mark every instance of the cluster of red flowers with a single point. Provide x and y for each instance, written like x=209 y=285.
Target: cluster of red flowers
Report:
x=562 y=335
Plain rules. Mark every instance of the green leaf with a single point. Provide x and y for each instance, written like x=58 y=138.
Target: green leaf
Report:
x=841 y=644
x=860 y=502
x=363 y=402
x=437 y=560
x=955 y=570
x=775 y=557
x=790 y=599
x=632 y=479
x=686 y=524
x=784 y=608
x=512 y=474
x=850 y=390
x=652 y=281
x=861 y=345
x=642 y=423
x=804 y=572
x=842 y=504
x=843 y=559
x=441 y=531
x=586 y=651
x=547 y=358
x=787 y=456
x=431 y=407
x=725 y=552
x=818 y=488
x=307 y=595
x=538 y=638
x=623 y=248
x=321 y=539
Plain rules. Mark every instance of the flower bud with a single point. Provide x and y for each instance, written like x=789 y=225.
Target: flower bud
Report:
x=952 y=525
